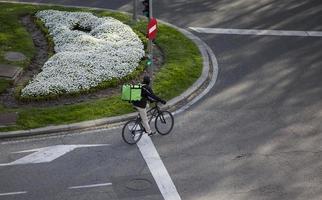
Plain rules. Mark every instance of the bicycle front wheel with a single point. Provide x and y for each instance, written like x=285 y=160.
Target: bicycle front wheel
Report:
x=132 y=132
x=164 y=122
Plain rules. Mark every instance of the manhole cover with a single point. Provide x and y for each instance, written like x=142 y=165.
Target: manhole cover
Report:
x=14 y=56
x=138 y=184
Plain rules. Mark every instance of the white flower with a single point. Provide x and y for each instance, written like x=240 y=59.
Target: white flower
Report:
x=110 y=49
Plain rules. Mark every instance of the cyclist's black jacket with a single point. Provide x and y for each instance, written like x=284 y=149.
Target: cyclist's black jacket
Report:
x=147 y=95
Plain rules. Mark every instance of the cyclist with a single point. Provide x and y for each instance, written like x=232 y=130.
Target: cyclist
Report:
x=141 y=105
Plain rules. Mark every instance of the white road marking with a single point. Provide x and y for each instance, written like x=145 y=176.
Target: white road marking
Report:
x=90 y=186
x=12 y=193
x=157 y=168
x=257 y=32
x=46 y=154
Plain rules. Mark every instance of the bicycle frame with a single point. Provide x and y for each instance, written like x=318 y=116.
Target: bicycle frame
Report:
x=152 y=113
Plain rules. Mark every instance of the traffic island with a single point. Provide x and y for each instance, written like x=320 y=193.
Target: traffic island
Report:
x=181 y=68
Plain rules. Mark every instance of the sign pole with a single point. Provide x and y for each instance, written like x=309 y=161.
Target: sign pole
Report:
x=135 y=6
x=150 y=48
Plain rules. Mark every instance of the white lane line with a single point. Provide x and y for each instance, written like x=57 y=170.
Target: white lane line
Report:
x=90 y=186
x=257 y=32
x=157 y=168
x=12 y=193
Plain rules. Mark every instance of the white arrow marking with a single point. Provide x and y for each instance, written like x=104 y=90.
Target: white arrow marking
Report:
x=46 y=154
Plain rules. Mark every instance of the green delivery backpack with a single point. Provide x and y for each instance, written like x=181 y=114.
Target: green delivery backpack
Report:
x=131 y=92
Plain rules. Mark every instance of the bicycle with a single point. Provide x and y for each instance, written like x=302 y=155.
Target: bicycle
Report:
x=133 y=130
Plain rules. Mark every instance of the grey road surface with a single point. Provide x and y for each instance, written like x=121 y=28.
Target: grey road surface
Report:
x=115 y=171
x=256 y=135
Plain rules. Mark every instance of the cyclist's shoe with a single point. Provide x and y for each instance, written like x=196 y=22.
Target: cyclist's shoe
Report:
x=152 y=133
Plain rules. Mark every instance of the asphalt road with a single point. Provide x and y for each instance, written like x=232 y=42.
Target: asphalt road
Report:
x=256 y=134
x=118 y=168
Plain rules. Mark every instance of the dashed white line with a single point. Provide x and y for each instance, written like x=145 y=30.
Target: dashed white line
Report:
x=90 y=186
x=12 y=193
x=258 y=32
x=157 y=168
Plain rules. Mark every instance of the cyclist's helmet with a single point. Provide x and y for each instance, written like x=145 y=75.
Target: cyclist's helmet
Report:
x=146 y=80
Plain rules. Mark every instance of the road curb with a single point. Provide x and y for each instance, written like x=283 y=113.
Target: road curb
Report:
x=176 y=105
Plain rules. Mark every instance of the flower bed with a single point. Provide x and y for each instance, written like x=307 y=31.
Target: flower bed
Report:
x=88 y=51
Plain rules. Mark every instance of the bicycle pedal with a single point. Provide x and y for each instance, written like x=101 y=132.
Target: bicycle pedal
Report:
x=152 y=133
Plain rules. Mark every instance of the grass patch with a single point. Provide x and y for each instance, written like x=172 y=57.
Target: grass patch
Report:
x=183 y=66
x=73 y=113
x=13 y=36
x=183 y=62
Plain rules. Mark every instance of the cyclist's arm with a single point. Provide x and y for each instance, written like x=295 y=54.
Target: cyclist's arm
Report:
x=151 y=96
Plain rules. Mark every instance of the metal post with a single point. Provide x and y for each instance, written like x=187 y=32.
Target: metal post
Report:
x=135 y=8
x=150 y=9
x=150 y=48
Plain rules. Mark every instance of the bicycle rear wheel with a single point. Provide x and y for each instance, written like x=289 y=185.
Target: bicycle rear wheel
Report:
x=164 y=122
x=132 y=132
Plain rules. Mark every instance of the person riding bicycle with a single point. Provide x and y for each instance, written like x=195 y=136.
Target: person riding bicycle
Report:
x=141 y=105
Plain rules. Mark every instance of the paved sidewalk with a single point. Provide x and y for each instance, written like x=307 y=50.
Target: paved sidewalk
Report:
x=9 y=72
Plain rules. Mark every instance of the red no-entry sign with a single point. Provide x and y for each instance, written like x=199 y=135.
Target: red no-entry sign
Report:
x=152 y=29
